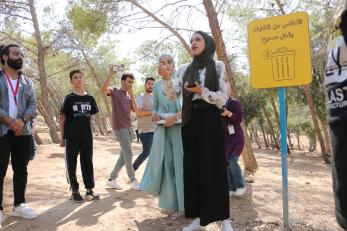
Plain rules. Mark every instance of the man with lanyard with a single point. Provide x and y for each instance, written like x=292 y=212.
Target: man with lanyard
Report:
x=17 y=107
x=144 y=121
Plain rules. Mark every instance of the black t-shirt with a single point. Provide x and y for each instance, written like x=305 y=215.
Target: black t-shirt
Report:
x=78 y=110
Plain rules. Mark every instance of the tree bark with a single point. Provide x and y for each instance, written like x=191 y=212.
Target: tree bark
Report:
x=42 y=73
x=298 y=140
x=308 y=95
x=264 y=136
x=274 y=108
x=255 y=134
x=326 y=134
x=37 y=138
x=271 y=128
x=104 y=123
x=98 y=123
x=55 y=99
x=251 y=162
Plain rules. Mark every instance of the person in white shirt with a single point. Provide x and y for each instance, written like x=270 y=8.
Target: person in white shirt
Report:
x=145 y=125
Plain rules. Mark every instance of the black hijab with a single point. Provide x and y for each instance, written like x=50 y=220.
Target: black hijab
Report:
x=205 y=59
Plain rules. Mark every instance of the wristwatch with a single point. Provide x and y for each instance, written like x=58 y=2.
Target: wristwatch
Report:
x=25 y=119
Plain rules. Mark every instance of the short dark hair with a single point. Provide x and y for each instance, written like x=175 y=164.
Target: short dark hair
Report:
x=6 y=51
x=75 y=72
x=127 y=75
x=149 y=79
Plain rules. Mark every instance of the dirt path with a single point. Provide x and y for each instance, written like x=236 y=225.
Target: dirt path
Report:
x=311 y=201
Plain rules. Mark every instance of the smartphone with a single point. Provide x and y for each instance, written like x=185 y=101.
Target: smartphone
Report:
x=118 y=67
x=222 y=109
x=191 y=85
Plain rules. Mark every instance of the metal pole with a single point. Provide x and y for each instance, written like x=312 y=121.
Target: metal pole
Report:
x=283 y=124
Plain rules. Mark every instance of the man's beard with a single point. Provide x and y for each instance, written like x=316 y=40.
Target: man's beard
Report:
x=15 y=64
x=149 y=90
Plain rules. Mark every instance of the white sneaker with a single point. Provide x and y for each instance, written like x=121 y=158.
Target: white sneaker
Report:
x=23 y=211
x=226 y=226
x=240 y=191
x=194 y=226
x=231 y=193
x=1 y=218
x=113 y=184
x=135 y=185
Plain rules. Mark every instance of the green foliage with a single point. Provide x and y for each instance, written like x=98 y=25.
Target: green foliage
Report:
x=90 y=21
x=251 y=99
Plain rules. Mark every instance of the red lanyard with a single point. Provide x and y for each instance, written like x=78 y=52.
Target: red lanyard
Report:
x=14 y=92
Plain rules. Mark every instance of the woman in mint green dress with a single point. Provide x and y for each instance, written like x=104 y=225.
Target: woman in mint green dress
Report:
x=163 y=175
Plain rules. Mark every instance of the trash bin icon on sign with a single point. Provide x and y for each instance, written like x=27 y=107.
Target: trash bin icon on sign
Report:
x=283 y=63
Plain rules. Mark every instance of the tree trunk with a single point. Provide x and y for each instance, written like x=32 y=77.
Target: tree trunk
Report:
x=104 y=123
x=315 y=123
x=298 y=140
x=249 y=161
x=274 y=108
x=256 y=137
x=222 y=55
x=37 y=138
x=288 y=131
x=264 y=136
x=42 y=73
x=55 y=99
x=272 y=132
x=99 y=124
x=313 y=144
x=251 y=139
x=326 y=134
x=43 y=111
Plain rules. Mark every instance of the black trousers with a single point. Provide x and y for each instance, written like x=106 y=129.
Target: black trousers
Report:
x=338 y=134
x=85 y=149
x=18 y=147
x=206 y=192
x=337 y=120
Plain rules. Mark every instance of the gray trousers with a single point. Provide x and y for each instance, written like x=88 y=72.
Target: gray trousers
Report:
x=124 y=136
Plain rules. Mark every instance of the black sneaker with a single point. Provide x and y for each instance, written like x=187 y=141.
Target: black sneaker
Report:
x=76 y=197
x=91 y=195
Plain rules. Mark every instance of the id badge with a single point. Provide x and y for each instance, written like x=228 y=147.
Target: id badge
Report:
x=231 y=129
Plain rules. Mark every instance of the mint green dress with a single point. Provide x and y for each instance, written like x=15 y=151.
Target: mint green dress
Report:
x=163 y=175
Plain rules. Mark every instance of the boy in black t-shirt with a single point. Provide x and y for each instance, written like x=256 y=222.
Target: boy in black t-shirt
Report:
x=76 y=136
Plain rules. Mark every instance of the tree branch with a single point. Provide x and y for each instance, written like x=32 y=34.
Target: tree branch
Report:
x=167 y=26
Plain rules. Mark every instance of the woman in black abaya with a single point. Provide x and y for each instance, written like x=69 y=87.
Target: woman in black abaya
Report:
x=205 y=90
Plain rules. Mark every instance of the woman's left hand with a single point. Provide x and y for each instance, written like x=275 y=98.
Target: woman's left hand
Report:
x=226 y=113
x=197 y=89
x=170 y=121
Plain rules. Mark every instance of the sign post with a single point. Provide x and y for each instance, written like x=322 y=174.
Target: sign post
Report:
x=280 y=56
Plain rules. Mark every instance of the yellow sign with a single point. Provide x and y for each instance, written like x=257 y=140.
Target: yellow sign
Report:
x=279 y=51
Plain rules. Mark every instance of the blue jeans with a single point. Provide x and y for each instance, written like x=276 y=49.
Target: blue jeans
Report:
x=235 y=178
x=146 y=140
